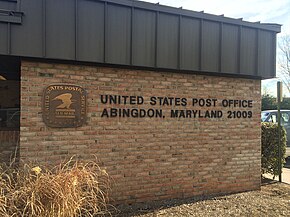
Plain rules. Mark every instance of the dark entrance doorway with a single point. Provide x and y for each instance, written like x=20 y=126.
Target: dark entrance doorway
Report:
x=9 y=108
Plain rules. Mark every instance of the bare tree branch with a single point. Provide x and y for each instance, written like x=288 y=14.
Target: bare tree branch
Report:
x=284 y=60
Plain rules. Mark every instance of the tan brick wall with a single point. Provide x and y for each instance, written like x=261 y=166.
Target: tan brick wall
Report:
x=149 y=158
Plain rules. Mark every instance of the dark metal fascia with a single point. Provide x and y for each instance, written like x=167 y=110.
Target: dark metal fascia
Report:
x=76 y=29
x=8 y=38
x=43 y=28
x=160 y=69
x=8 y=16
x=9 y=1
x=257 y=62
x=192 y=14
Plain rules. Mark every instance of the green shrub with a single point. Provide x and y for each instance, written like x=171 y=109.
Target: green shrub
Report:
x=270 y=151
x=68 y=190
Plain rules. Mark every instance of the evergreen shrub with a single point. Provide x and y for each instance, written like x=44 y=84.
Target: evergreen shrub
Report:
x=270 y=150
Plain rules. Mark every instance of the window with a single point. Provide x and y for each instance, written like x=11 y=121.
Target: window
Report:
x=9 y=93
x=264 y=116
x=285 y=119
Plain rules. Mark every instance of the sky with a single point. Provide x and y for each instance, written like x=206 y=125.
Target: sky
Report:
x=265 y=11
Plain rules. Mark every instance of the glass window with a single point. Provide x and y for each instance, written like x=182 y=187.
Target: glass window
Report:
x=9 y=104
x=9 y=93
x=285 y=118
x=264 y=116
x=273 y=118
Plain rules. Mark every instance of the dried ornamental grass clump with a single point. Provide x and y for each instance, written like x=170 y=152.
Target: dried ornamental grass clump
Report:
x=71 y=189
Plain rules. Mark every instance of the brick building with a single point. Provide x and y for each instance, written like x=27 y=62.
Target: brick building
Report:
x=167 y=99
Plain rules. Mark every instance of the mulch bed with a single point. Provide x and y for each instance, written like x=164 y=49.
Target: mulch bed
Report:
x=272 y=200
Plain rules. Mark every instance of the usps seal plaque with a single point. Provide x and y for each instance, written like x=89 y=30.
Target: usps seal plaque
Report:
x=64 y=106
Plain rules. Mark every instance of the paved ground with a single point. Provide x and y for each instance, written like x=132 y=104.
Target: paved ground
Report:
x=285 y=173
x=287 y=151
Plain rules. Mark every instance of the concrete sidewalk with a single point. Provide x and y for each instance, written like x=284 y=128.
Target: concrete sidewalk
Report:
x=285 y=173
x=285 y=176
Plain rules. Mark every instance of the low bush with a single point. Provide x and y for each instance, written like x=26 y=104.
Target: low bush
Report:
x=70 y=189
x=270 y=148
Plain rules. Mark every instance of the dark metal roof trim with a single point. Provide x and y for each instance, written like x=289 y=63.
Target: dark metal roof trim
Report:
x=13 y=1
x=167 y=70
x=193 y=14
x=8 y=16
x=137 y=34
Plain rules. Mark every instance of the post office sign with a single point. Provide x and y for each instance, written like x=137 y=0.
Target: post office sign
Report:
x=64 y=105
